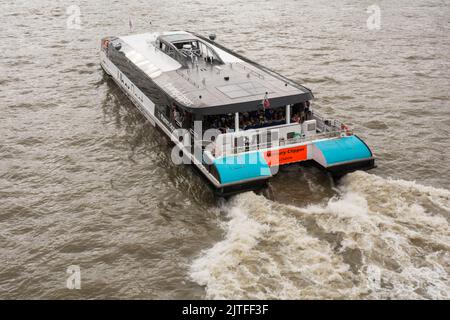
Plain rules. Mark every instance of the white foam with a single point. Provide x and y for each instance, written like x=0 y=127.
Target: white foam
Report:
x=381 y=238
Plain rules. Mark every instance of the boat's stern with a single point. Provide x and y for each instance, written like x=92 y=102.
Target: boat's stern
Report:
x=248 y=166
x=343 y=155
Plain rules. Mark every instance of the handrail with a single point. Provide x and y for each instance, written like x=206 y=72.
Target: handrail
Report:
x=266 y=145
x=330 y=128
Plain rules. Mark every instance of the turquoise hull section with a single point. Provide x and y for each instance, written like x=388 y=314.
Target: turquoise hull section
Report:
x=242 y=167
x=345 y=149
x=342 y=155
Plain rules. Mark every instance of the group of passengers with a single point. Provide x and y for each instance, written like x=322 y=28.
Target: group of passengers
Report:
x=178 y=117
x=225 y=123
x=249 y=120
x=262 y=118
x=259 y=118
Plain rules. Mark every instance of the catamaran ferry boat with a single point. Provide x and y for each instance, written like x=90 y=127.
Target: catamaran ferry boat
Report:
x=233 y=119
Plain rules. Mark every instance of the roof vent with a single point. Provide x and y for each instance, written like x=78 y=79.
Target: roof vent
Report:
x=212 y=36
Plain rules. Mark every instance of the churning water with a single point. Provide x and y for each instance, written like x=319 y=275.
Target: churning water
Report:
x=86 y=181
x=376 y=238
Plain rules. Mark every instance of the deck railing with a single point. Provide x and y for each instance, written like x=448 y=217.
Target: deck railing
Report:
x=328 y=129
x=233 y=150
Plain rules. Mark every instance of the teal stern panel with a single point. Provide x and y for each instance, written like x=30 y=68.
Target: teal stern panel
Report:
x=345 y=149
x=242 y=167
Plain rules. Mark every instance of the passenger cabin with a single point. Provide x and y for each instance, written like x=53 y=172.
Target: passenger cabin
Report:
x=207 y=82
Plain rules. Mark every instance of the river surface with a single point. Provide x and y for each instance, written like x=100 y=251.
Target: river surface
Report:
x=85 y=180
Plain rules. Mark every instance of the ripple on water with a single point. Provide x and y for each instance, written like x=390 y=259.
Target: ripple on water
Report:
x=376 y=125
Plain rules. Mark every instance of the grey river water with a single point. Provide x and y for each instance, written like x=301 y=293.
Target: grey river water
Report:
x=85 y=180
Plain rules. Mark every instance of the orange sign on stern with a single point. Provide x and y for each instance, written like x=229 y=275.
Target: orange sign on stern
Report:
x=286 y=155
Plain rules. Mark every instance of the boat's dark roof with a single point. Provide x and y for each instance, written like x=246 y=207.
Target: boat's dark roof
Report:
x=237 y=85
x=177 y=37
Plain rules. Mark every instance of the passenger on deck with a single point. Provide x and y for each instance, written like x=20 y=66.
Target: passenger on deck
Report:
x=268 y=114
x=307 y=110
x=249 y=119
x=177 y=117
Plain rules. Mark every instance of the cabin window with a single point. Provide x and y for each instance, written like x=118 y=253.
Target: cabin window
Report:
x=170 y=51
x=189 y=48
x=177 y=115
x=167 y=112
x=300 y=112
x=163 y=110
x=188 y=120
x=290 y=135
